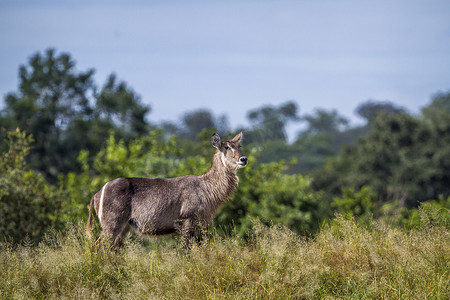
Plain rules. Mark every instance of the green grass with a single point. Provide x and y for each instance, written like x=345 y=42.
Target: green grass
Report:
x=344 y=260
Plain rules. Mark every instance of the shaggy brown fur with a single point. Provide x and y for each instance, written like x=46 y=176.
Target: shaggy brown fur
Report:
x=167 y=205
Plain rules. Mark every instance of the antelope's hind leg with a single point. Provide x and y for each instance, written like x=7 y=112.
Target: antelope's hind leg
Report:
x=114 y=234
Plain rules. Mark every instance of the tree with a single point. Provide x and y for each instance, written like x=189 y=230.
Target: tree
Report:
x=269 y=122
x=440 y=105
x=196 y=121
x=324 y=122
x=119 y=105
x=267 y=132
x=51 y=95
x=60 y=107
x=371 y=108
x=403 y=158
x=326 y=131
x=28 y=205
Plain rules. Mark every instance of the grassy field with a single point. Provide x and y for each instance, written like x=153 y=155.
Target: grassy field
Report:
x=344 y=260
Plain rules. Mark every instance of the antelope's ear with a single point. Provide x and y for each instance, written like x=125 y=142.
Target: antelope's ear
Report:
x=215 y=140
x=237 y=138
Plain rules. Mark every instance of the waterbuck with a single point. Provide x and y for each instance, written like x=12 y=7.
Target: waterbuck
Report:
x=167 y=205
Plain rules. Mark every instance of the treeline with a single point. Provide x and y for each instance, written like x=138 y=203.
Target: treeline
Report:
x=74 y=136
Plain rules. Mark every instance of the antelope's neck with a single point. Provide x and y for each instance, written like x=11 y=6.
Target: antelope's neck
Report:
x=220 y=180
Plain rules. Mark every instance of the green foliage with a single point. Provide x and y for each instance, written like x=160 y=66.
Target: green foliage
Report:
x=403 y=158
x=61 y=108
x=439 y=106
x=29 y=206
x=370 y=109
x=85 y=136
x=429 y=214
x=265 y=192
x=323 y=137
x=51 y=95
x=121 y=107
x=435 y=213
x=358 y=204
x=312 y=151
x=269 y=123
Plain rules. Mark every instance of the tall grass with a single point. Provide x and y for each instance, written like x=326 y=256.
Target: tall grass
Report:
x=344 y=260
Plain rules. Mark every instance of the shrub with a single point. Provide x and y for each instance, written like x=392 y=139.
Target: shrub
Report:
x=29 y=206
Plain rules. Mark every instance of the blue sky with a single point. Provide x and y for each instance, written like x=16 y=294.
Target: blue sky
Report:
x=233 y=56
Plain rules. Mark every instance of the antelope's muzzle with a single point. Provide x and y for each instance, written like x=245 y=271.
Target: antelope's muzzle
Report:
x=242 y=161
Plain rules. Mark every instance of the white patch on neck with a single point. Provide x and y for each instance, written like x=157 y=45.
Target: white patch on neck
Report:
x=222 y=158
x=100 y=206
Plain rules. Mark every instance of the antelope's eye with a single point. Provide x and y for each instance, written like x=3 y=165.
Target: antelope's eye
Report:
x=226 y=147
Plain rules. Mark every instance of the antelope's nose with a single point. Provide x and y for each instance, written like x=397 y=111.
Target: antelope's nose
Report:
x=243 y=160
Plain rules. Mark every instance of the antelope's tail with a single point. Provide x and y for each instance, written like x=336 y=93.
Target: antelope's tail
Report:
x=89 y=222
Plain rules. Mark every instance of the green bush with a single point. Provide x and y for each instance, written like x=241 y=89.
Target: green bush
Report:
x=429 y=214
x=267 y=193
x=360 y=204
x=28 y=205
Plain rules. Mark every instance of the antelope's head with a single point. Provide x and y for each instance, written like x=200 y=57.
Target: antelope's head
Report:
x=230 y=151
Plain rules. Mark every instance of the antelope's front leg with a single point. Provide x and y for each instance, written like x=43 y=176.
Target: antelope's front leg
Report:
x=187 y=233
